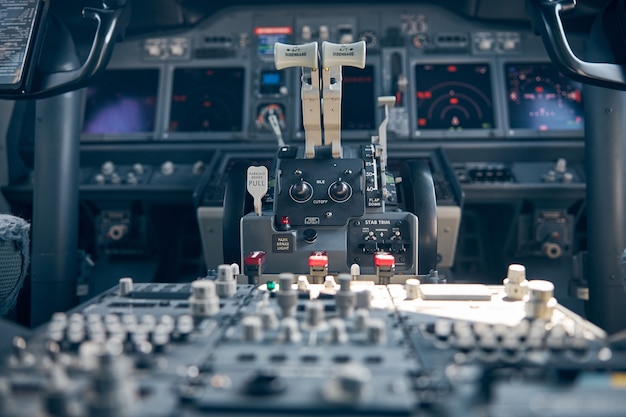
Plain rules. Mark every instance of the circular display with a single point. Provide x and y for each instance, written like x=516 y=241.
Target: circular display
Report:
x=541 y=98
x=454 y=97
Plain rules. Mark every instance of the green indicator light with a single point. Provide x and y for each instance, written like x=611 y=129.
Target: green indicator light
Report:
x=271 y=285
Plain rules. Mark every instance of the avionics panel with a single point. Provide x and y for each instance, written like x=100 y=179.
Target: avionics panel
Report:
x=452 y=77
x=541 y=101
x=454 y=100
x=358 y=103
x=207 y=99
x=122 y=103
x=21 y=32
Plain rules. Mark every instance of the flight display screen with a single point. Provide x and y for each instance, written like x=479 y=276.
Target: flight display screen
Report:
x=20 y=29
x=454 y=97
x=207 y=100
x=122 y=101
x=358 y=101
x=540 y=98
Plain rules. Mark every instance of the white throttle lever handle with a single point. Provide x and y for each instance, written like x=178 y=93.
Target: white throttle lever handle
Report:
x=334 y=56
x=286 y=56
x=305 y=56
x=349 y=54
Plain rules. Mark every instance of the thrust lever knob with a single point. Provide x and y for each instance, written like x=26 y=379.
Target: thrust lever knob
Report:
x=301 y=192
x=340 y=191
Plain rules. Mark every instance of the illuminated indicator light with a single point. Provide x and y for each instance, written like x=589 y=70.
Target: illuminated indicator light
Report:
x=421 y=121
x=318 y=259
x=255 y=258
x=207 y=104
x=277 y=30
x=451 y=68
x=579 y=119
x=577 y=96
x=384 y=259
x=271 y=285
x=543 y=127
x=284 y=220
x=454 y=100
x=539 y=89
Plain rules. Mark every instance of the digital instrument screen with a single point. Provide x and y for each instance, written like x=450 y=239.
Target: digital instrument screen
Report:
x=207 y=100
x=271 y=81
x=19 y=32
x=268 y=36
x=122 y=101
x=358 y=101
x=540 y=98
x=454 y=96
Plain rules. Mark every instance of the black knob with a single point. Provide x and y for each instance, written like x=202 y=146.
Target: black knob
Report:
x=340 y=191
x=309 y=235
x=301 y=192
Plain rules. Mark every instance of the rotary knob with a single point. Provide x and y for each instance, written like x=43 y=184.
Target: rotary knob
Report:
x=301 y=192
x=340 y=191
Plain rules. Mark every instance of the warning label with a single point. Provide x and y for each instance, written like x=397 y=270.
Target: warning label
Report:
x=282 y=243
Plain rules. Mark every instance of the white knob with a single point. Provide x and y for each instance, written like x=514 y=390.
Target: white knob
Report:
x=198 y=168
x=324 y=32
x=412 y=288
x=107 y=168
x=252 y=328
x=177 y=50
x=485 y=44
x=125 y=286
x=350 y=385
x=167 y=168
x=138 y=168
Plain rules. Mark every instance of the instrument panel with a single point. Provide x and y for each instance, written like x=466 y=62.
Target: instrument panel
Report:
x=452 y=79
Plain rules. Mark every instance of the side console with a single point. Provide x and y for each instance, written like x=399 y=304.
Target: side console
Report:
x=334 y=209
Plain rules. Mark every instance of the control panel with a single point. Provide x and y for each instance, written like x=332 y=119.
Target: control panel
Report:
x=347 y=346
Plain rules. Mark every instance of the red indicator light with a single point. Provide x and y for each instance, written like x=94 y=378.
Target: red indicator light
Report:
x=421 y=121
x=384 y=259
x=317 y=259
x=207 y=104
x=255 y=258
x=539 y=89
x=451 y=68
x=454 y=100
x=284 y=220
x=277 y=30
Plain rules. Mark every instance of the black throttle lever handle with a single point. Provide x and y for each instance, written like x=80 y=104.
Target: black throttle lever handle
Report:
x=546 y=16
